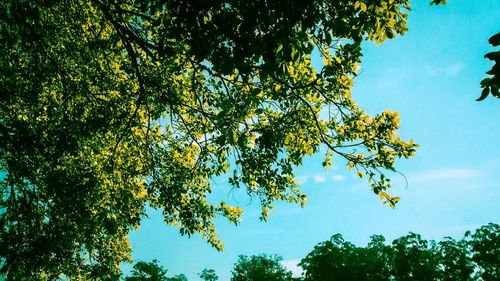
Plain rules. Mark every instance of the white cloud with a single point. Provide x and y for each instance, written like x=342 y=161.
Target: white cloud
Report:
x=266 y=232
x=293 y=266
x=302 y=179
x=319 y=179
x=338 y=177
x=447 y=70
x=453 y=69
x=445 y=174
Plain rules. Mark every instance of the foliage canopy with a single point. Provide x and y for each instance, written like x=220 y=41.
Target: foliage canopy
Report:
x=260 y=268
x=208 y=275
x=109 y=106
x=410 y=257
x=151 y=271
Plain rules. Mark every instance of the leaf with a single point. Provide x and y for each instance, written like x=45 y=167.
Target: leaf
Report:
x=303 y=201
x=279 y=49
x=493 y=56
x=484 y=94
x=495 y=40
x=328 y=37
x=495 y=91
x=363 y=6
x=437 y=2
x=485 y=82
x=294 y=54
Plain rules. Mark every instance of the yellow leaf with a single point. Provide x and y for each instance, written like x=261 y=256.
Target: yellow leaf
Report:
x=303 y=201
x=363 y=6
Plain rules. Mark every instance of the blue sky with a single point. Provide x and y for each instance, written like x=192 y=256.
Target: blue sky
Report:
x=431 y=76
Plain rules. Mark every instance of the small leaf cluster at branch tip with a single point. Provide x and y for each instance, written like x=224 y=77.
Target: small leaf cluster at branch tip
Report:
x=492 y=84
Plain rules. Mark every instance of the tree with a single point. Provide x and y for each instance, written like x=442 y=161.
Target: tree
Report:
x=455 y=260
x=337 y=259
x=379 y=259
x=485 y=243
x=208 y=275
x=152 y=271
x=260 y=268
x=414 y=258
x=109 y=106
x=477 y=257
x=180 y=277
x=148 y=271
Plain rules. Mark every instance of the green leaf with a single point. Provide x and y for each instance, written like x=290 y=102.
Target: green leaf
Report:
x=495 y=40
x=438 y=2
x=294 y=54
x=485 y=82
x=484 y=94
x=495 y=56
x=279 y=49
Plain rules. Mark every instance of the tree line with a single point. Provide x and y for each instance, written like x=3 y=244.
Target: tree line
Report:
x=476 y=256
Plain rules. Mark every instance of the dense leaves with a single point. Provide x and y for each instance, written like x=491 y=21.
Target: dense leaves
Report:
x=260 y=268
x=475 y=257
x=413 y=258
x=152 y=271
x=485 y=244
x=208 y=275
x=455 y=260
x=337 y=259
x=109 y=106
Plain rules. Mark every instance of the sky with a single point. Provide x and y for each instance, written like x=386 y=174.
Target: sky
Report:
x=431 y=76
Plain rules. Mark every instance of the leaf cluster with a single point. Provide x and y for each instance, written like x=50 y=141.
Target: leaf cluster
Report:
x=492 y=84
x=260 y=268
